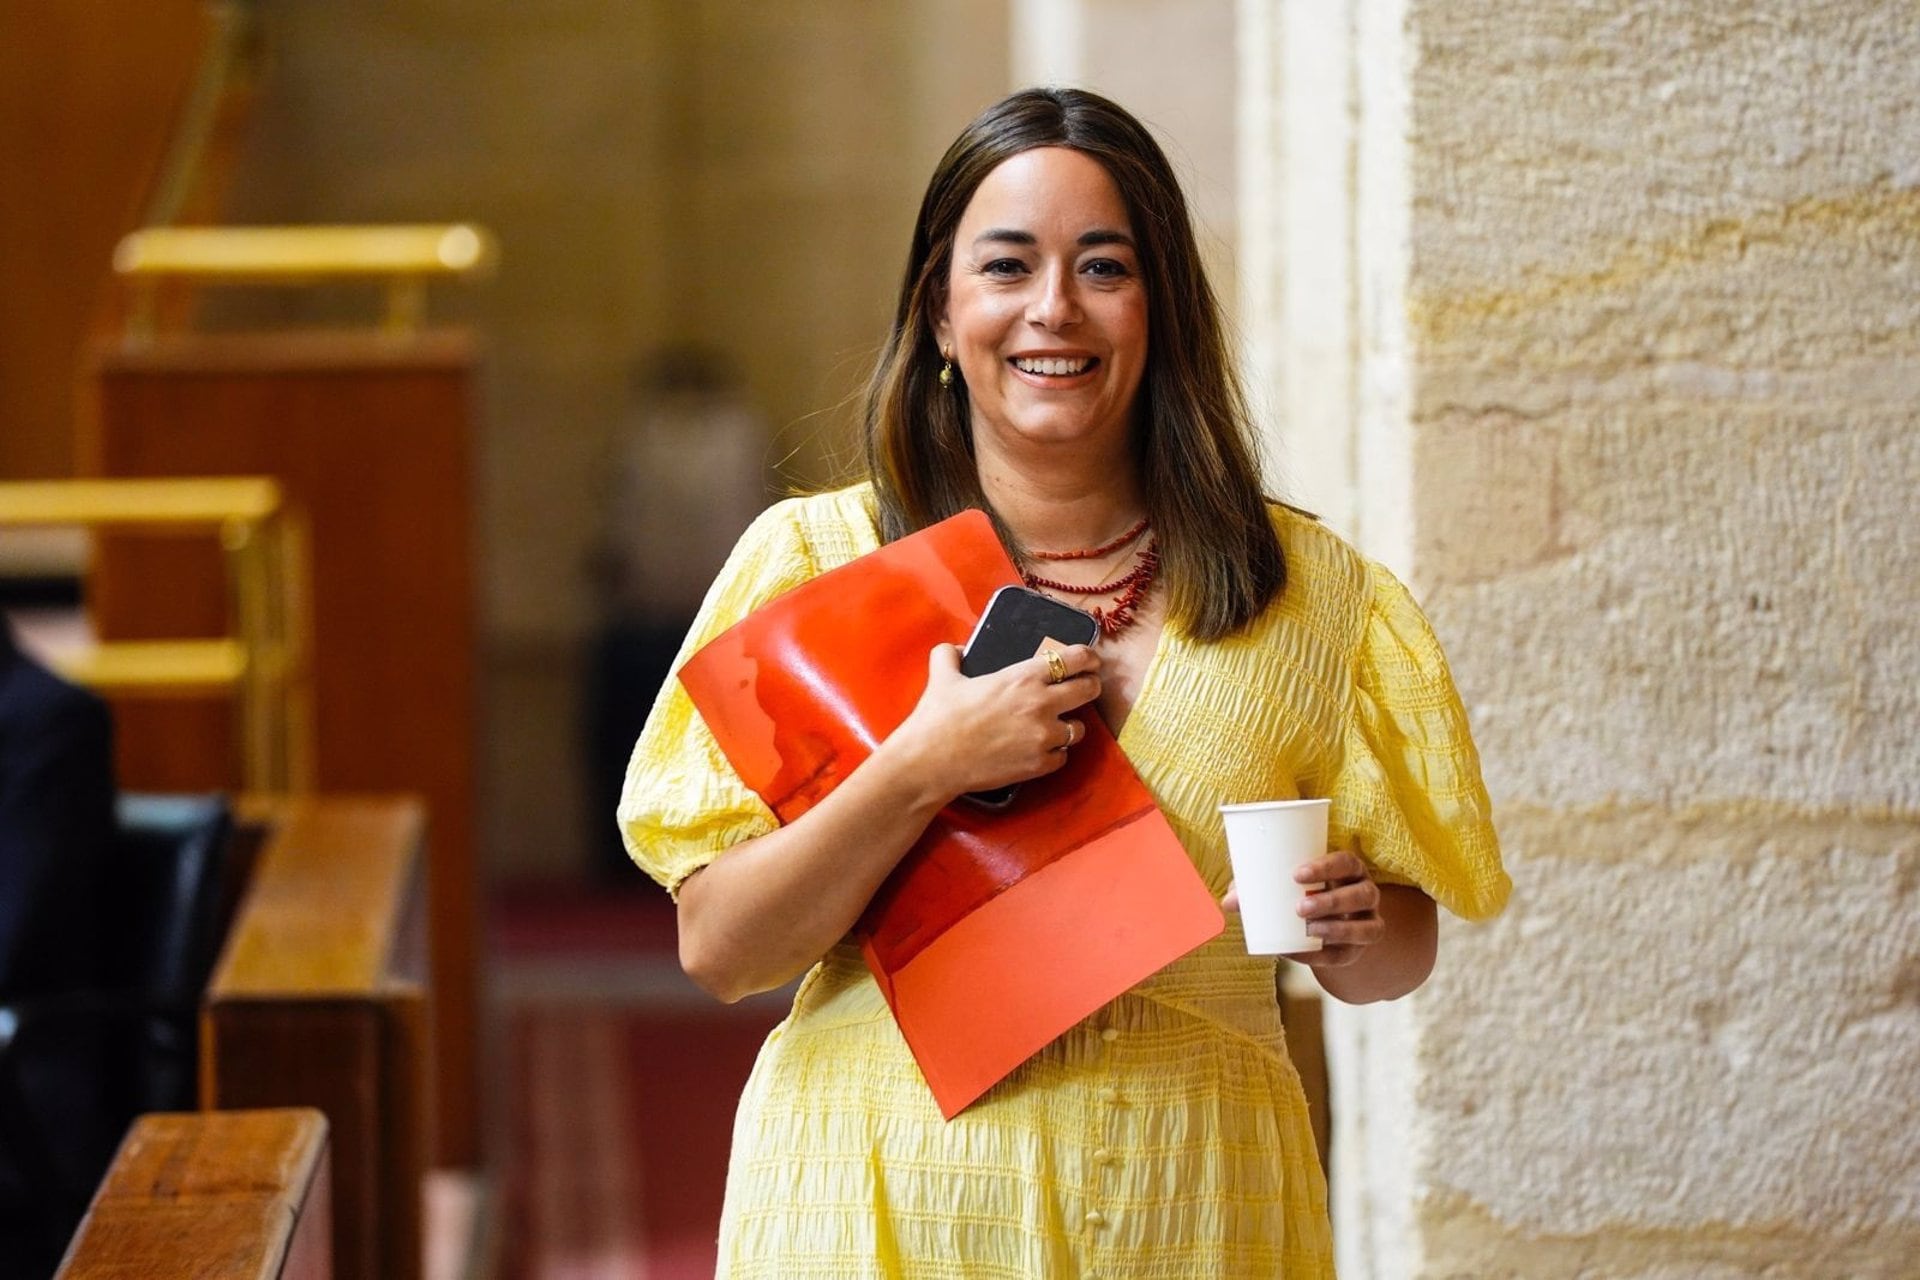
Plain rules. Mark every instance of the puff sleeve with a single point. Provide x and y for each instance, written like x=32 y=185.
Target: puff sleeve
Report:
x=1409 y=780
x=682 y=803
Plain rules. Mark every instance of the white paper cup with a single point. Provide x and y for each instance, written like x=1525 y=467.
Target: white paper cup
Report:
x=1267 y=842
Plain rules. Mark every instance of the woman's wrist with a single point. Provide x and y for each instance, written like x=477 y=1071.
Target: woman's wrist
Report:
x=1396 y=964
x=911 y=775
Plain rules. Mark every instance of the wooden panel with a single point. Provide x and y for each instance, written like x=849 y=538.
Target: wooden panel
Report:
x=328 y=898
x=406 y=1088
x=370 y=437
x=312 y=1003
x=323 y=1054
x=197 y=730
x=310 y=1253
x=239 y=1195
x=88 y=98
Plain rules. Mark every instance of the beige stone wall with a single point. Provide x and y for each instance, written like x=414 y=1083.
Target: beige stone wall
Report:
x=729 y=172
x=1657 y=355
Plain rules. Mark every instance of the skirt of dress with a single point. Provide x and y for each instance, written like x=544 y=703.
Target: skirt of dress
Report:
x=1164 y=1138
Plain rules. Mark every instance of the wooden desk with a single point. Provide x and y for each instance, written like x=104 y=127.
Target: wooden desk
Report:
x=320 y=999
x=231 y=1195
x=371 y=437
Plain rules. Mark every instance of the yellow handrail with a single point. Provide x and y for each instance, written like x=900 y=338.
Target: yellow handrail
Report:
x=405 y=256
x=229 y=64
x=262 y=659
x=166 y=668
x=296 y=254
x=138 y=504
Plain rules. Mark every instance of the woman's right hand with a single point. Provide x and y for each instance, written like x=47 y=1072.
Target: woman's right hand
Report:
x=981 y=732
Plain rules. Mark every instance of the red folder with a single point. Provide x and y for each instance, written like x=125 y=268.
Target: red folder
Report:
x=998 y=930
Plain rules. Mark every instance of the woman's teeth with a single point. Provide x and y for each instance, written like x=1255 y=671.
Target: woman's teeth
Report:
x=1053 y=365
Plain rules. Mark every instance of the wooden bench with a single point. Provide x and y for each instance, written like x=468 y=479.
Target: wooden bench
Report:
x=230 y=1195
x=320 y=999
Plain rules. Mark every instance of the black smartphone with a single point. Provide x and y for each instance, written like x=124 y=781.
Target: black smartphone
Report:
x=1017 y=622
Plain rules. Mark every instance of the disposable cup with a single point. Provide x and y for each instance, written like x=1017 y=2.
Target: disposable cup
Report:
x=1267 y=842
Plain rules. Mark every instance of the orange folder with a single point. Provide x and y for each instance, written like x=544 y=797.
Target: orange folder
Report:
x=998 y=930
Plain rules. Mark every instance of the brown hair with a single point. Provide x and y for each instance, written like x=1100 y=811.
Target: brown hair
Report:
x=1193 y=442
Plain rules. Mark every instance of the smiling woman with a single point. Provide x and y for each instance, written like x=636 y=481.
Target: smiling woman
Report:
x=1246 y=654
x=1046 y=314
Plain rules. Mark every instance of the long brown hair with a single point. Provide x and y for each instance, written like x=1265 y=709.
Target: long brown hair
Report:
x=1193 y=441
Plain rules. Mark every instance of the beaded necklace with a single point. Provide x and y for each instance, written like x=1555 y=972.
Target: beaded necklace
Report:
x=1128 y=590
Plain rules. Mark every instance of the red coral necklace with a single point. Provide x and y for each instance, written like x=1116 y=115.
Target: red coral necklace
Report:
x=1128 y=590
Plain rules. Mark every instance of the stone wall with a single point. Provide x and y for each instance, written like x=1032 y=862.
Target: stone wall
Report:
x=1645 y=373
x=1666 y=273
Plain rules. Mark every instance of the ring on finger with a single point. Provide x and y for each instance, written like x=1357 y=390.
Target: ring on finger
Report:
x=1056 y=667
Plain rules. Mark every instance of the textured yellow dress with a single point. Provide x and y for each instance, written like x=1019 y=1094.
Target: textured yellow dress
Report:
x=1166 y=1136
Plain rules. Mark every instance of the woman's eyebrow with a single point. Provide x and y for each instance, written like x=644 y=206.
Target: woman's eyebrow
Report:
x=1099 y=235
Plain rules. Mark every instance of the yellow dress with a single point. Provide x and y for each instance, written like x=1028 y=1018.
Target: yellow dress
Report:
x=1166 y=1136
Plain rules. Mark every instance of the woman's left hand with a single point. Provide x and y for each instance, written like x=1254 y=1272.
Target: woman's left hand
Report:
x=1344 y=913
x=1376 y=942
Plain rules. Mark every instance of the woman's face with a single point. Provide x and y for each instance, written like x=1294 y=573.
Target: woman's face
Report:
x=1046 y=307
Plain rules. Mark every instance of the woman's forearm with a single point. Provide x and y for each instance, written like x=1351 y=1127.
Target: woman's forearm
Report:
x=1399 y=961
x=764 y=911
x=761 y=913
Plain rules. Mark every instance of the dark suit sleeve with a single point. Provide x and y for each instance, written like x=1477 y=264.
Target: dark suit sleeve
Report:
x=56 y=829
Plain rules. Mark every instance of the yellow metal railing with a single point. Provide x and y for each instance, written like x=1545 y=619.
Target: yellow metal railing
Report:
x=227 y=70
x=403 y=257
x=262 y=661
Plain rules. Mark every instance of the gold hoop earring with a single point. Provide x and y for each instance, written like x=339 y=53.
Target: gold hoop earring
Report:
x=946 y=366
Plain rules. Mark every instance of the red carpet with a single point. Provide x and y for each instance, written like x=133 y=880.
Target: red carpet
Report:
x=619 y=1107
x=527 y=921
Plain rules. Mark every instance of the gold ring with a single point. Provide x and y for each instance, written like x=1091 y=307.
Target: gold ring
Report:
x=1056 y=666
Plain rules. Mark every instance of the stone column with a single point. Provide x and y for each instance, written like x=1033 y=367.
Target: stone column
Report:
x=1625 y=390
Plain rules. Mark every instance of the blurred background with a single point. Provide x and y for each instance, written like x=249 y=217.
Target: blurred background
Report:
x=1594 y=320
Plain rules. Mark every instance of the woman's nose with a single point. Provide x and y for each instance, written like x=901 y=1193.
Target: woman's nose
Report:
x=1054 y=304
